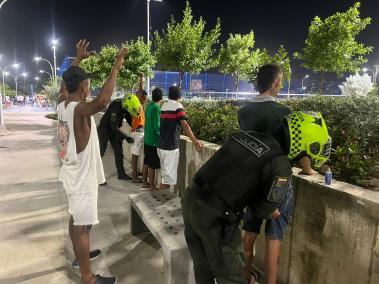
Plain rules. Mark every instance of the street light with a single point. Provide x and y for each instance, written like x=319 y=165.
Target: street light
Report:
x=43 y=71
x=54 y=43
x=2 y=3
x=15 y=77
x=148 y=35
x=373 y=78
x=289 y=78
x=4 y=74
x=24 y=74
x=302 y=81
x=39 y=58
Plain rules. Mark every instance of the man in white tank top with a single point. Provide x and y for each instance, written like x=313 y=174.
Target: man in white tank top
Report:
x=82 y=167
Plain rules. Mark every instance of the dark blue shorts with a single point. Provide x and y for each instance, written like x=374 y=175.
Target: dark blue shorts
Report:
x=275 y=228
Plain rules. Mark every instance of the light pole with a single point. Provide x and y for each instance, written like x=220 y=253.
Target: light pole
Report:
x=289 y=78
x=39 y=58
x=24 y=74
x=148 y=36
x=54 y=43
x=4 y=73
x=2 y=3
x=302 y=82
x=366 y=70
x=43 y=71
x=376 y=71
x=1 y=96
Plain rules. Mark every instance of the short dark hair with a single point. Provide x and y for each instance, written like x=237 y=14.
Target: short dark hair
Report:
x=73 y=76
x=142 y=93
x=174 y=93
x=156 y=94
x=266 y=76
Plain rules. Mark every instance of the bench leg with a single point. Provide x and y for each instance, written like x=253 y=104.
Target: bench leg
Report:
x=177 y=266
x=136 y=225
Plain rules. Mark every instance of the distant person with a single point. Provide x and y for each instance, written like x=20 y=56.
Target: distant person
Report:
x=173 y=120
x=109 y=129
x=151 y=139
x=82 y=168
x=137 y=132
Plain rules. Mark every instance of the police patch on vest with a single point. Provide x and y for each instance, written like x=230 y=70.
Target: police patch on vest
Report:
x=251 y=143
x=279 y=189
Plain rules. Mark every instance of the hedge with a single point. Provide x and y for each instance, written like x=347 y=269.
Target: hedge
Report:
x=353 y=124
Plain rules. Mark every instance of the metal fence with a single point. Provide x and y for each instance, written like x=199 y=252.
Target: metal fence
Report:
x=217 y=82
x=213 y=83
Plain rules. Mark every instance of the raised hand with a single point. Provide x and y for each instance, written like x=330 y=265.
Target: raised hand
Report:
x=120 y=58
x=81 y=49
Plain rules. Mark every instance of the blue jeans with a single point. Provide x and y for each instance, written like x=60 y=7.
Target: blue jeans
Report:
x=275 y=228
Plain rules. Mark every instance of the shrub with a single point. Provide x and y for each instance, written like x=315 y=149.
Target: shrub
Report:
x=211 y=121
x=353 y=124
x=357 y=85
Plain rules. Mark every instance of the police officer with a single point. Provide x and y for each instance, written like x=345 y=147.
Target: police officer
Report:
x=109 y=129
x=251 y=168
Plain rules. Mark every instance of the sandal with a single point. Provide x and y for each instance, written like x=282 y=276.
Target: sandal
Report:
x=254 y=277
x=145 y=187
x=137 y=180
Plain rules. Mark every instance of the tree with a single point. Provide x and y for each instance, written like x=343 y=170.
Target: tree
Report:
x=186 y=46
x=139 y=60
x=280 y=58
x=51 y=89
x=8 y=91
x=331 y=45
x=357 y=85
x=237 y=56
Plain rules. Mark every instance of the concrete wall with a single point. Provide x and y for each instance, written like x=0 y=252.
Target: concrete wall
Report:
x=333 y=237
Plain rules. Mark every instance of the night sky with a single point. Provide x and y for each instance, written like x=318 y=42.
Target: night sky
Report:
x=26 y=26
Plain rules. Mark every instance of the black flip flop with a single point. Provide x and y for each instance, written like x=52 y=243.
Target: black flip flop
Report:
x=255 y=276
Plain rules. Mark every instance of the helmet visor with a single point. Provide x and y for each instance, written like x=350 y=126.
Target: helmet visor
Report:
x=319 y=153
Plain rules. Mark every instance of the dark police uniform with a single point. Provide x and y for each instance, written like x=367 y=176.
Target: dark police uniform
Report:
x=109 y=130
x=249 y=169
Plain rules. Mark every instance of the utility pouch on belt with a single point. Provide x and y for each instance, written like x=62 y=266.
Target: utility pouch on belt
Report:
x=230 y=224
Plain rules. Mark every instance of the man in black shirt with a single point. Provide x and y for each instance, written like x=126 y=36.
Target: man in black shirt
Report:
x=263 y=114
x=250 y=169
x=109 y=130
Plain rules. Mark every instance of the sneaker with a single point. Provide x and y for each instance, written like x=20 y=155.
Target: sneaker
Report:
x=92 y=255
x=105 y=280
x=124 y=177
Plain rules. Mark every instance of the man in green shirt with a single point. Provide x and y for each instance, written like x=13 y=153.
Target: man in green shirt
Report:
x=151 y=139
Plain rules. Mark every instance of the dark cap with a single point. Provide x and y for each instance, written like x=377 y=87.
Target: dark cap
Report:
x=73 y=76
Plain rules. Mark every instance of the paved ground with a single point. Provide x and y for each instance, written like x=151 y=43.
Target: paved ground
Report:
x=33 y=214
x=28 y=108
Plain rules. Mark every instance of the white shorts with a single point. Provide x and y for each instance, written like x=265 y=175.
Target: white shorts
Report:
x=83 y=208
x=137 y=144
x=169 y=165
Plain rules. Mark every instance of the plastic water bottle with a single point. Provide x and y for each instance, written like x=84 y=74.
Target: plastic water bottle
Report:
x=328 y=176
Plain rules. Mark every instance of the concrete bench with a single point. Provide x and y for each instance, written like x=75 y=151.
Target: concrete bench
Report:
x=160 y=213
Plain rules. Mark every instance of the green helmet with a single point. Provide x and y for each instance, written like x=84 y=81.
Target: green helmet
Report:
x=132 y=104
x=308 y=134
